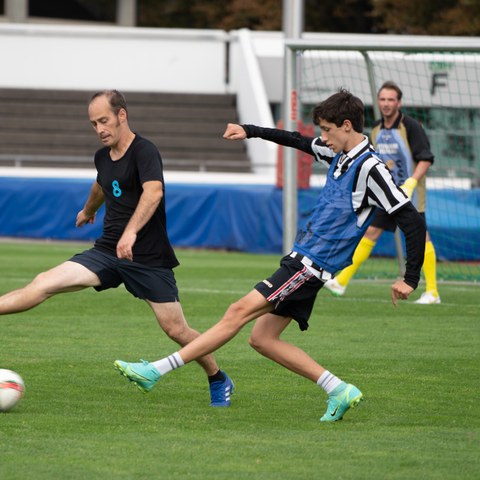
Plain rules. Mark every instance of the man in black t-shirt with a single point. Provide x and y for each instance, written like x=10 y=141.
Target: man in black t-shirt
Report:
x=134 y=248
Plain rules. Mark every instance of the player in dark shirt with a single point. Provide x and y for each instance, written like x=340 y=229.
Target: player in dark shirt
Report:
x=134 y=248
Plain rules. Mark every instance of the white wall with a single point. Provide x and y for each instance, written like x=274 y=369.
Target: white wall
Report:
x=348 y=67
x=270 y=52
x=252 y=99
x=96 y=57
x=180 y=60
x=83 y=57
x=194 y=61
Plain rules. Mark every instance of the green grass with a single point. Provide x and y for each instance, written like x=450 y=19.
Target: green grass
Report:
x=418 y=367
x=383 y=268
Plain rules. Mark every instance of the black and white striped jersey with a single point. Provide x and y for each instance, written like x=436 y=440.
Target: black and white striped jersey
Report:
x=373 y=186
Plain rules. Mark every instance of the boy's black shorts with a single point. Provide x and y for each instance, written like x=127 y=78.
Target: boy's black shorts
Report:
x=292 y=289
x=156 y=284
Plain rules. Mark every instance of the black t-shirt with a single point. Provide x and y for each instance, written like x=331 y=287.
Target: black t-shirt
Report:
x=121 y=182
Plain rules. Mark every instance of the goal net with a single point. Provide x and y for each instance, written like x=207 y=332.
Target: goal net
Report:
x=441 y=88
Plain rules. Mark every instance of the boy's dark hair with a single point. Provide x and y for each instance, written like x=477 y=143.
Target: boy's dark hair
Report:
x=390 y=85
x=339 y=107
x=115 y=99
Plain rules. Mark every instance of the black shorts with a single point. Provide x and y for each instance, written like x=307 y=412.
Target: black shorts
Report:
x=383 y=220
x=156 y=284
x=292 y=289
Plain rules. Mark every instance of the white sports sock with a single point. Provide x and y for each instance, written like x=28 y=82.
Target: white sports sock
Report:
x=328 y=381
x=167 y=364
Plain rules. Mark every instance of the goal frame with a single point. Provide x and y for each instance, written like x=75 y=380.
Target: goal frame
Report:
x=364 y=44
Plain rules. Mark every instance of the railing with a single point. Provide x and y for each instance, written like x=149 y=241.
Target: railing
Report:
x=71 y=161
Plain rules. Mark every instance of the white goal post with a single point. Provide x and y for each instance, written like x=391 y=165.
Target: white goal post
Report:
x=440 y=78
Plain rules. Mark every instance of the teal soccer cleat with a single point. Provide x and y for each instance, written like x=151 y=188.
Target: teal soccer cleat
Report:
x=345 y=396
x=144 y=375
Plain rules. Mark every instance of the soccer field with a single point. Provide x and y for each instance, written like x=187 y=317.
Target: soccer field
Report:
x=418 y=367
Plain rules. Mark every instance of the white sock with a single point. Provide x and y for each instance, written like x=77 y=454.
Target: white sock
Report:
x=167 y=364
x=328 y=381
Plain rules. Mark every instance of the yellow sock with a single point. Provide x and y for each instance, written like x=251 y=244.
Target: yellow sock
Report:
x=362 y=252
x=430 y=268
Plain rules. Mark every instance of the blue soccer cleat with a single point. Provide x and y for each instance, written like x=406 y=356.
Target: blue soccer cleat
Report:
x=220 y=392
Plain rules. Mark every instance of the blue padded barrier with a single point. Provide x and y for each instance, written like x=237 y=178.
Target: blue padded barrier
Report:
x=234 y=217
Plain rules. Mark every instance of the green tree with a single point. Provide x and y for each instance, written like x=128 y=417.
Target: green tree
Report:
x=428 y=17
x=341 y=16
x=211 y=14
x=420 y=17
x=324 y=16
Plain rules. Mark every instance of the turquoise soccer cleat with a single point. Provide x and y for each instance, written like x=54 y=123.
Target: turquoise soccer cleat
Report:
x=345 y=396
x=144 y=375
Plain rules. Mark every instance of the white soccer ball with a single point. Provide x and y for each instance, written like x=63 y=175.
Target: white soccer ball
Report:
x=12 y=389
